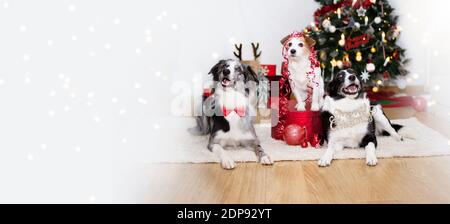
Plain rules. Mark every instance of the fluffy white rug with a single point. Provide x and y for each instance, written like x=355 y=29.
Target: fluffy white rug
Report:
x=192 y=149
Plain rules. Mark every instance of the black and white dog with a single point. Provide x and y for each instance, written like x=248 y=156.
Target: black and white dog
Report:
x=350 y=121
x=227 y=113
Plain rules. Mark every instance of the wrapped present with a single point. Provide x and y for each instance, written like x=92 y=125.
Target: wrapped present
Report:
x=309 y=119
x=268 y=70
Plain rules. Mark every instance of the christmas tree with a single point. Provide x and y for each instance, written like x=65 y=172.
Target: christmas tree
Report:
x=359 y=34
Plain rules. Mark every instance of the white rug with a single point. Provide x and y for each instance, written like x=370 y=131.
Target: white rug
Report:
x=192 y=149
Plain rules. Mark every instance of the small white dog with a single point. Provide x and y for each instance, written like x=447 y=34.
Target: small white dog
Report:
x=305 y=76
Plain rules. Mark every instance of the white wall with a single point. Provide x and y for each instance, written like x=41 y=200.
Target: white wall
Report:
x=85 y=86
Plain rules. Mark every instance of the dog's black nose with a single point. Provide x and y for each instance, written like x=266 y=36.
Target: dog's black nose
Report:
x=226 y=72
x=352 y=78
x=293 y=51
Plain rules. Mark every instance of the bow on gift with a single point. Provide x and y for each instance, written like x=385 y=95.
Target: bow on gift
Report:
x=238 y=110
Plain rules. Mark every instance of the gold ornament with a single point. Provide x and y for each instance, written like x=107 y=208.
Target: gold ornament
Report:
x=359 y=56
x=375 y=89
x=373 y=50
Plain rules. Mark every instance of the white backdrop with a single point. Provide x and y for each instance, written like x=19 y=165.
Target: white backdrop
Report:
x=86 y=86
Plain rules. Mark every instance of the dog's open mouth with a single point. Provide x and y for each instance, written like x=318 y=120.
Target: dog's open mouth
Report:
x=226 y=82
x=351 y=89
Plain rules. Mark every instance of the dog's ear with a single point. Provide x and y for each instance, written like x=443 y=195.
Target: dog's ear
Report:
x=351 y=71
x=283 y=41
x=216 y=69
x=335 y=84
x=249 y=74
x=310 y=41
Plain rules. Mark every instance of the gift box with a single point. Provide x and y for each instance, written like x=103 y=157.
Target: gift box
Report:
x=268 y=70
x=308 y=119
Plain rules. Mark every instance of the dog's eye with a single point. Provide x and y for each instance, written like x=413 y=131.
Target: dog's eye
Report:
x=300 y=44
x=290 y=44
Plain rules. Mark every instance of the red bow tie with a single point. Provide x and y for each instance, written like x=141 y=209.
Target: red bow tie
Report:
x=238 y=110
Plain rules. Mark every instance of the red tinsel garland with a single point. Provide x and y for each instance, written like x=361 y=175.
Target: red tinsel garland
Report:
x=285 y=88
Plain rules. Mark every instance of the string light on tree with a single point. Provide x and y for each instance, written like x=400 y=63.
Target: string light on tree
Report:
x=386 y=62
x=358 y=56
x=342 y=40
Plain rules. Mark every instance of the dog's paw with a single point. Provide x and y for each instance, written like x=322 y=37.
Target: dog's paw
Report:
x=315 y=107
x=325 y=160
x=371 y=160
x=300 y=107
x=228 y=163
x=266 y=160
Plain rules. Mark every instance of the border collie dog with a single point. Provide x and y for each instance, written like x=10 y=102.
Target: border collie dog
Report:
x=304 y=73
x=351 y=121
x=227 y=112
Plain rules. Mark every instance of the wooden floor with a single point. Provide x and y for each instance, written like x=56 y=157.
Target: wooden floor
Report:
x=412 y=180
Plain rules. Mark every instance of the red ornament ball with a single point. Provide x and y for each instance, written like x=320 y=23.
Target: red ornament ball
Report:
x=420 y=104
x=304 y=144
x=294 y=134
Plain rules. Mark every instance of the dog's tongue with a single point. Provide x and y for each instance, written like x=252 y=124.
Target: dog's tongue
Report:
x=225 y=82
x=352 y=88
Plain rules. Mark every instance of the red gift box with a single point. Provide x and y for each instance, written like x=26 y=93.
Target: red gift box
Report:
x=309 y=119
x=269 y=70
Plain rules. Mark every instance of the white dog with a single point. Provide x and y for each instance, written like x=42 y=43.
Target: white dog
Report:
x=305 y=75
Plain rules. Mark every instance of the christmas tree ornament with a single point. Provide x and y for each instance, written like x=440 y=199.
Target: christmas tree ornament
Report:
x=366 y=21
x=361 y=12
x=322 y=41
x=304 y=144
x=420 y=104
x=357 y=25
x=347 y=64
x=332 y=29
x=373 y=50
x=326 y=23
x=338 y=12
x=370 y=67
x=365 y=76
x=294 y=134
x=377 y=20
